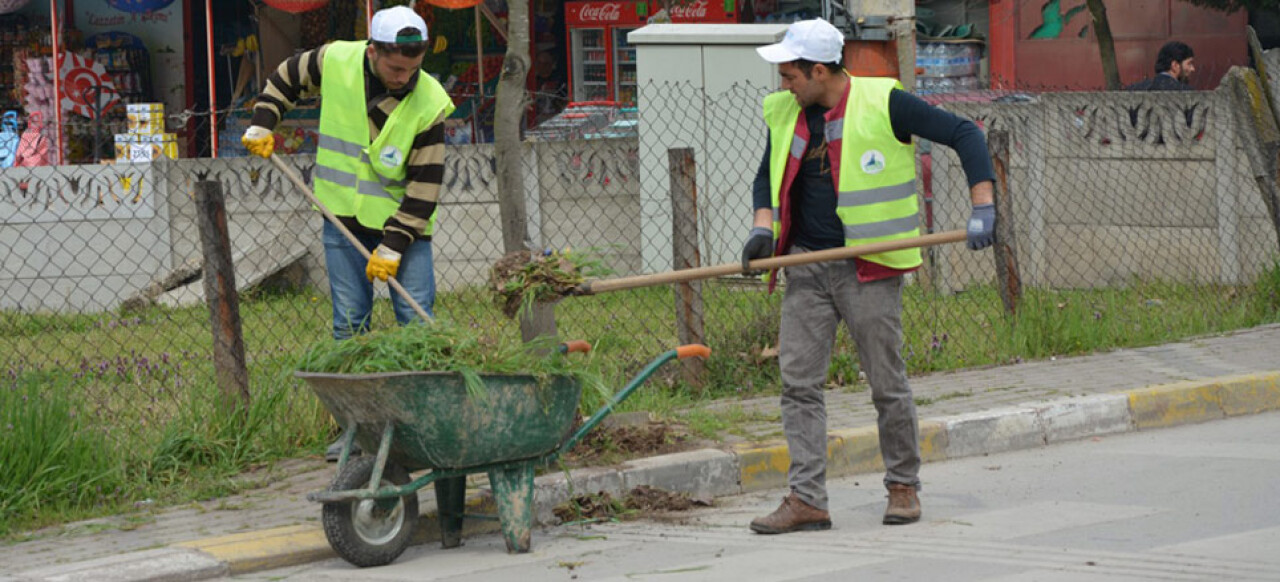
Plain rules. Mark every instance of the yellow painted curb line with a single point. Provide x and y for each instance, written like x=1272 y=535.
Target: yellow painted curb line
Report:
x=266 y=549
x=763 y=466
x=1200 y=400
x=849 y=452
x=282 y=547
x=1251 y=393
x=933 y=441
x=854 y=450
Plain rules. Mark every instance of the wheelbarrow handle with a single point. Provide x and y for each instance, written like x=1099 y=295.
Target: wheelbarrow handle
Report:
x=575 y=346
x=693 y=351
x=685 y=351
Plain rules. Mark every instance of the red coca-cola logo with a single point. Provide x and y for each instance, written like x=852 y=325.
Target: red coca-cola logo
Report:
x=691 y=11
x=601 y=12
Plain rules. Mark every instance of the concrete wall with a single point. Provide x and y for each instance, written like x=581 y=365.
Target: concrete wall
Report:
x=84 y=238
x=1111 y=187
x=1106 y=188
x=81 y=240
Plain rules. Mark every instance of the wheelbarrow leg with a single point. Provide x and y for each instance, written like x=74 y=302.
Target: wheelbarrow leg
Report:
x=451 y=504
x=513 y=491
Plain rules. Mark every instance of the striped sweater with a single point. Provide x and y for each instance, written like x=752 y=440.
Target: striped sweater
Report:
x=299 y=76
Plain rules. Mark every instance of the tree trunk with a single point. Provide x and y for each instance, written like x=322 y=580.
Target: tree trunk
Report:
x=509 y=110
x=1106 y=45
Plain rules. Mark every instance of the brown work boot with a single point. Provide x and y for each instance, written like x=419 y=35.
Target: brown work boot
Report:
x=792 y=515
x=904 y=505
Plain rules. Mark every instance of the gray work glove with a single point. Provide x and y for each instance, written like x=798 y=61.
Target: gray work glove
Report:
x=759 y=246
x=982 y=227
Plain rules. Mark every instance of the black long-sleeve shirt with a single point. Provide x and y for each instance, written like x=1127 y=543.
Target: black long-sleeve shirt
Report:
x=1160 y=82
x=813 y=195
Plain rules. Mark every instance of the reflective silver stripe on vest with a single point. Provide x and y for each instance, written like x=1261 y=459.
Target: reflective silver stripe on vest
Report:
x=834 y=130
x=340 y=146
x=372 y=189
x=797 y=147
x=877 y=195
x=385 y=182
x=902 y=225
x=348 y=180
x=777 y=214
x=344 y=179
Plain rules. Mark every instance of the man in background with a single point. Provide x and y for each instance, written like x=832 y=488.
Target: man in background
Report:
x=1174 y=66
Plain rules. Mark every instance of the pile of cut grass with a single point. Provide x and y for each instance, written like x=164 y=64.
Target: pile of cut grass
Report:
x=520 y=279
x=445 y=347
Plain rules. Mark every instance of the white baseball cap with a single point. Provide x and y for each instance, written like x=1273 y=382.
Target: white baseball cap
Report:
x=812 y=40
x=388 y=23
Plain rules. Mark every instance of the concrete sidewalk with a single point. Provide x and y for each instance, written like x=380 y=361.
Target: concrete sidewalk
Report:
x=962 y=413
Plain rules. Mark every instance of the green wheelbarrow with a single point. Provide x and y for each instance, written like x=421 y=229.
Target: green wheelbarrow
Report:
x=426 y=421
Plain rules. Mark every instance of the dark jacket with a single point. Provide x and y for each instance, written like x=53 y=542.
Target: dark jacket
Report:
x=1160 y=82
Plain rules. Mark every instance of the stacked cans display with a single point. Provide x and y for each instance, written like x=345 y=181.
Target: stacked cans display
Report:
x=146 y=139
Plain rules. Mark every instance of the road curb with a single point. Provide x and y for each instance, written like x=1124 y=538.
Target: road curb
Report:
x=740 y=469
x=854 y=451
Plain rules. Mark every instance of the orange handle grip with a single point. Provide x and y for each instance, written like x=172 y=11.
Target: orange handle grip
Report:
x=578 y=346
x=693 y=351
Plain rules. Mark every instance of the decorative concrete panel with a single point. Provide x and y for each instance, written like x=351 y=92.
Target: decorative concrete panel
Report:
x=1131 y=125
x=55 y=194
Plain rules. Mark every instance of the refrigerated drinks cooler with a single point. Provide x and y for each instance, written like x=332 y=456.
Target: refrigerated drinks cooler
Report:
x=602 y=64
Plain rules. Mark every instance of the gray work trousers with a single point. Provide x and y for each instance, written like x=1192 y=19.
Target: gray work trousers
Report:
x=817 y=297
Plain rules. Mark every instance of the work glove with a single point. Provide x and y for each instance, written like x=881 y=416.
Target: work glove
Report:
x=259 y=140
x=982 y=227
x=383 y=263
x=759 y=246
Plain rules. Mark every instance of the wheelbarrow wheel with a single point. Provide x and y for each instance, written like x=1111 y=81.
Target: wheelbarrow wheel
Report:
x=369 y=532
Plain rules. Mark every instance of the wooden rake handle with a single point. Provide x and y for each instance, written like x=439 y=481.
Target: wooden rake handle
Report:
x=841 y=253
x=355 y=242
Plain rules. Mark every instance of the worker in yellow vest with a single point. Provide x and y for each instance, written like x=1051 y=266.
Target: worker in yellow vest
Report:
x=379 y=161
x=840 y=169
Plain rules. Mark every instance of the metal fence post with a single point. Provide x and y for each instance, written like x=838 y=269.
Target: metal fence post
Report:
x=221 y=296
x=1008 y=281
x=685 y=255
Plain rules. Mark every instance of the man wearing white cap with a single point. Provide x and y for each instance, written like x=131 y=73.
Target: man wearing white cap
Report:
x=839 y=170
x=379 y=163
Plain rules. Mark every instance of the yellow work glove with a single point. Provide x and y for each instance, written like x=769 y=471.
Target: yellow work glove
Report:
x=383 y=263
x=259 y=140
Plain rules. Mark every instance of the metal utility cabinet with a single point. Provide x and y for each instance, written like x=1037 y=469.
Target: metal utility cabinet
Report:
x=700 y=87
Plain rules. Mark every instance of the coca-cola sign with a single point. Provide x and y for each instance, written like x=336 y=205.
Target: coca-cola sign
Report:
x=601 y=12
x=691 y=11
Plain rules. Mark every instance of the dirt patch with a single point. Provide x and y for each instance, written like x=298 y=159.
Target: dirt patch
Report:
x=641 y=501
x=606 y=446
x=651 y=499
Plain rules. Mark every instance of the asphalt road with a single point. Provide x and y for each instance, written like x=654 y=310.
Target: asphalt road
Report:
x=1198 y=502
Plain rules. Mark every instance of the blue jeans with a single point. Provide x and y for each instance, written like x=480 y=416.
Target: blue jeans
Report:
x=352 y=292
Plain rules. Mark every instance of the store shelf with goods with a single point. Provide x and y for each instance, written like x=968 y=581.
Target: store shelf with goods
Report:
x=15 y=37
x=127 y=63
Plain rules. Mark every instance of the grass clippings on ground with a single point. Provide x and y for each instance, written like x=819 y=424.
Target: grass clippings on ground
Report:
x=641 y=501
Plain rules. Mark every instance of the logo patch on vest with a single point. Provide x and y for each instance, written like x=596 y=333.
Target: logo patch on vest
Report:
x=391 y=157
x=872 y=162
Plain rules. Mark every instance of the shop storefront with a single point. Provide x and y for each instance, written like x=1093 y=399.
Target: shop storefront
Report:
x=171 y=59
x=111 y=53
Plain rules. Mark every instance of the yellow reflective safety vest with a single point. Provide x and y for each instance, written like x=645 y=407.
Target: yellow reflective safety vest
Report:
x=876 y=181
x=354 y=176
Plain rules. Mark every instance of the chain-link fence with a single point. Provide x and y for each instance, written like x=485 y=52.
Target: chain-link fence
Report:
x=1126 y=218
